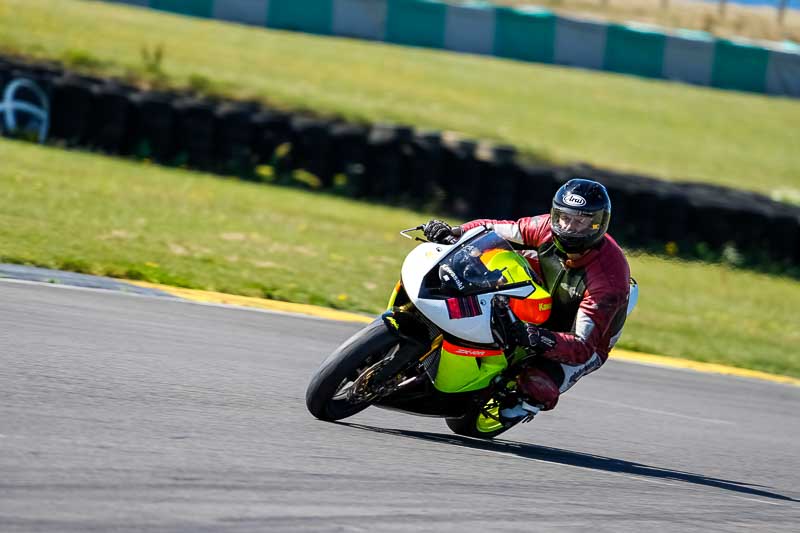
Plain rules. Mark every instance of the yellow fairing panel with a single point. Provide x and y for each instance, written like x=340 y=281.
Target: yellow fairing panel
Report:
x=459 y=373
x=513 y=266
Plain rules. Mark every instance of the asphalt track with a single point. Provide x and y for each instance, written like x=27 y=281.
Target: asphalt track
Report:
x=124 y=412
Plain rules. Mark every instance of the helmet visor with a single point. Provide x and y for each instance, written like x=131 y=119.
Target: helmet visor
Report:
x=573 y=223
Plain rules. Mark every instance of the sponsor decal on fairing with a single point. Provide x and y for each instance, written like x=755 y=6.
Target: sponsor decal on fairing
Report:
x=463 y=307
x=469 y=352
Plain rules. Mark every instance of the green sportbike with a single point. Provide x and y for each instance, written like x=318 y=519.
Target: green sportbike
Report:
x=440 y=348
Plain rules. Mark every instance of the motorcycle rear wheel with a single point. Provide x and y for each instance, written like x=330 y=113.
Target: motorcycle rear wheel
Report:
x=326 y=393
x=477 y=424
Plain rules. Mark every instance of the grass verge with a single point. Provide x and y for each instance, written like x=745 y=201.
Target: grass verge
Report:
x=88 y=213
x=653 y=127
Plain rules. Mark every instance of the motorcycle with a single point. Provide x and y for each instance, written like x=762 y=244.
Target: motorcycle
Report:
x=442 y=347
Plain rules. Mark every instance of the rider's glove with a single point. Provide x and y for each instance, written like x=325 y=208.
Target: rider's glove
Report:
x=439 y=232
x=501 y=321
x=537 y=339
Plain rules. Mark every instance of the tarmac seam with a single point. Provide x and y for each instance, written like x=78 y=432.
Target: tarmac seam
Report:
x=345 y=316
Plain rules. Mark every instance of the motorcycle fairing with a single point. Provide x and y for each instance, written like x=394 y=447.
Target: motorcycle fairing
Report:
x=464 y=369
x=422 y=260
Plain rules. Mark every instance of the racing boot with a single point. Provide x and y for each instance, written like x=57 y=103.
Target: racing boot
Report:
x=537 y=392
x=521 y=412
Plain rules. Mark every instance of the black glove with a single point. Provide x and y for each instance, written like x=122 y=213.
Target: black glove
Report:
x=501 y=322
x=439 y=232
x=538 y=339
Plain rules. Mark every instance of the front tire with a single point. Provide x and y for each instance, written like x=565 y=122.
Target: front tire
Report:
x=324 y=395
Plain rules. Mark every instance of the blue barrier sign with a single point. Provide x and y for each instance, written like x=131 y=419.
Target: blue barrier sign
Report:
x=25 y=109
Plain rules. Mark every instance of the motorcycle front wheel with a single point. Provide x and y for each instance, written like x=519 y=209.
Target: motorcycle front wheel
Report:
x=329 y=395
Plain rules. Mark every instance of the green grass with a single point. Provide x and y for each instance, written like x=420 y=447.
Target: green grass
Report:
x=93 y=214
x=653 y=127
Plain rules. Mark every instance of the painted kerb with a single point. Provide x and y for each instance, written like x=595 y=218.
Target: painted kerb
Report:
x=210 y=297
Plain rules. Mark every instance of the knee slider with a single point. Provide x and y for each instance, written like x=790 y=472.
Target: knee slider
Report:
x=537 y=385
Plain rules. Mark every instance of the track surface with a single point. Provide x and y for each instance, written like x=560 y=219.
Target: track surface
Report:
x=129 y=413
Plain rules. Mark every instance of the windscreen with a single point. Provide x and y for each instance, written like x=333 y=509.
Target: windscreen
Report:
x=486 y=263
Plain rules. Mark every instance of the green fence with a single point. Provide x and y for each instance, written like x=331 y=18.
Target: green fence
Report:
x=739 y=66
x=634 y=51
x=526 y=35
x=416 y=23
x=196 y=8
x=311 y=16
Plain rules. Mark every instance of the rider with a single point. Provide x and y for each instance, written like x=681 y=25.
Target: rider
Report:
x=588 y=277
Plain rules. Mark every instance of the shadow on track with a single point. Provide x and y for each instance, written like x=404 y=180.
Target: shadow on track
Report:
x=579 y=459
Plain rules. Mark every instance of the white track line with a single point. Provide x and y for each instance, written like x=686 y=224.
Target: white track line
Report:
x=655 y=411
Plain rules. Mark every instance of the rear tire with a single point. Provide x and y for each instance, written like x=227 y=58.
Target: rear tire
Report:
x=476 y=424
x=344 y=365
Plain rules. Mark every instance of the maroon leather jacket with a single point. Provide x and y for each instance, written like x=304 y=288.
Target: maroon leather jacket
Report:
x=590 y=294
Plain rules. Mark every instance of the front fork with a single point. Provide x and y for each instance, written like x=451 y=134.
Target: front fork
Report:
x=421 y=340
x=418 y=338
x=398 y=288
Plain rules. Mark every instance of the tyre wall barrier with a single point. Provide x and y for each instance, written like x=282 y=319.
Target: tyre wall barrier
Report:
x=390 y=163
x=524 y=34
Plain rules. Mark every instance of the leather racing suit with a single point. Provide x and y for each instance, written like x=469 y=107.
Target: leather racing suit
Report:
x=590 y=300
